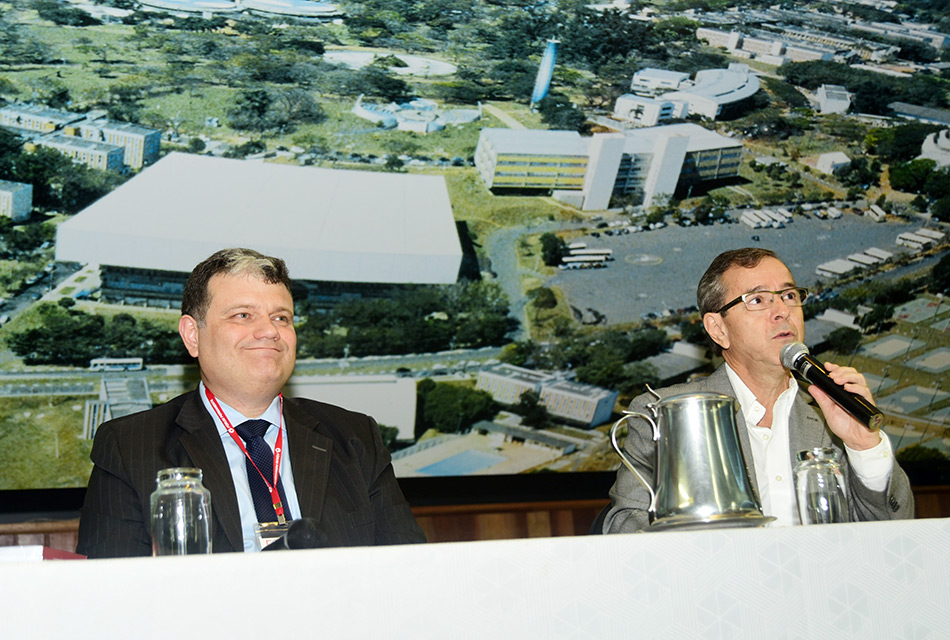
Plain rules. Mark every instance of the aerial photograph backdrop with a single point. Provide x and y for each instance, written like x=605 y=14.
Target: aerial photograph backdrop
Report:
x=495 y=213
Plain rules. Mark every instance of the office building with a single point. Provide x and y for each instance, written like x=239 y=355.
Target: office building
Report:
x=95 y=155
x=140 y=145
x=16 y=200
x=575 y=402
x=588 y=171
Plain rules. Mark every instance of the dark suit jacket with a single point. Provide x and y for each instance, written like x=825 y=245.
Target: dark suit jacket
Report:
x=630 y=501
x=342 y=473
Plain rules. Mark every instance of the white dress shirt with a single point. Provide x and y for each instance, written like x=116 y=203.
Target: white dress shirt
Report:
x=237 y=464
x=771 y=455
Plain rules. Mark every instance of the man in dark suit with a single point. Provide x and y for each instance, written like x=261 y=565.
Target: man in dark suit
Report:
x=237 y=320
x=751 y=308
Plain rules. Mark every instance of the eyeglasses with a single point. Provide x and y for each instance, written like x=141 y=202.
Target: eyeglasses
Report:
x=761 y=300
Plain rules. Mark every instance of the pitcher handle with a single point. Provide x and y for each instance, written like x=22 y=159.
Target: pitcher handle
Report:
x=623 y=456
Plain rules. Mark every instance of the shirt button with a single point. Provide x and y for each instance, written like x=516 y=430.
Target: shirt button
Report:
x=765 y=437
x=778 y=478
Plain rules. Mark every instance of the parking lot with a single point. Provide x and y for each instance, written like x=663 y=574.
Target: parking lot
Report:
x=657 y=270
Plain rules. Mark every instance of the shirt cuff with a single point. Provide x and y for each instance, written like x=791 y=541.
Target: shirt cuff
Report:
x=873 y=466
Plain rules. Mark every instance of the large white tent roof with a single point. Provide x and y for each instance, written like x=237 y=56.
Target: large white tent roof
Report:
x=331 y=225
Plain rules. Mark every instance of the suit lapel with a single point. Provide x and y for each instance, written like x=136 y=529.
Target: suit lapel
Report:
x=805 y=428
x=718 y=382
x=200 y=439
x=310 y=454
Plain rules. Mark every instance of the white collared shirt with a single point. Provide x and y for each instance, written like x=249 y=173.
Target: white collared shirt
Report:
x=237 y=464
x=771 y=455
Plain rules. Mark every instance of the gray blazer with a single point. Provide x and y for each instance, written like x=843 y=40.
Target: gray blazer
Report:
x=630 y=501
x=342 y=474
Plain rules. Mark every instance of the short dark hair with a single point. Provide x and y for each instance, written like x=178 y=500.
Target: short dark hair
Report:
x=710 y=293
x=236 y=261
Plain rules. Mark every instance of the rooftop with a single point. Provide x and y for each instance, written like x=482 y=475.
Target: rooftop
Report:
x=331 y=225
x=536 y=141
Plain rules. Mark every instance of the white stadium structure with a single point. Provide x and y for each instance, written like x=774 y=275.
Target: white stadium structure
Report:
x=329 y=225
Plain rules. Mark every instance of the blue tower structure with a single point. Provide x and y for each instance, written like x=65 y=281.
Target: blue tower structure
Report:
x=545 y=70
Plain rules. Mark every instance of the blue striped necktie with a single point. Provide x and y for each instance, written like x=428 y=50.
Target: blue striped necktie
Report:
x=252 y=432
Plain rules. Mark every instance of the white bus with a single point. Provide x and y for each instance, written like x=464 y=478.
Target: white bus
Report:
x=607 y=253
x=116 y=364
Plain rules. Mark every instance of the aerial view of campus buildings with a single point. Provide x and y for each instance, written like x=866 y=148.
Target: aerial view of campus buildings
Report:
x=495 y=215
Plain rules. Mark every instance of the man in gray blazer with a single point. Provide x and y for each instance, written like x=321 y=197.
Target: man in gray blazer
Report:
x=751 y=307
x=237 y=320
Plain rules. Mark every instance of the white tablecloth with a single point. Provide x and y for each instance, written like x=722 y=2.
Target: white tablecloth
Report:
x=865 y=580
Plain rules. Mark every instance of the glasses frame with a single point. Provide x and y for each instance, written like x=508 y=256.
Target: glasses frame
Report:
x=742 y=298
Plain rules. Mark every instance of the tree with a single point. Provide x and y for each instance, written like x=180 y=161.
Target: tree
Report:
x=277 y=110
x=532 y=411
x=553 y=248
x=844 y=340
x=63 y=15
x=42 y=168
x=559 y=113
x=912 y=176
x=393 y=163
x=940 y=276
x=542 y=298
x=375 y=81
x=899 y=143
x=941 y=209
x=638 y=375
x=874 y=319
x=389 y=435
x=513 y=78
x=452 y=408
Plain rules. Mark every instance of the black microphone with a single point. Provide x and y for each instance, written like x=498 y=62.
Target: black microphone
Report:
x=795 y=356
x=303 y=533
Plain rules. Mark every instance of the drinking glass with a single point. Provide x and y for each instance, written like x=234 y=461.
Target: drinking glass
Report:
x=820 y=487
x=180 y=507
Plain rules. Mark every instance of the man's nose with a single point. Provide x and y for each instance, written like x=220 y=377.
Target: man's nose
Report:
x=779 y=307
x=267 y=328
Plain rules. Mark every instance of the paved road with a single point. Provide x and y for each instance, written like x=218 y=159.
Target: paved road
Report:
x=658 y=270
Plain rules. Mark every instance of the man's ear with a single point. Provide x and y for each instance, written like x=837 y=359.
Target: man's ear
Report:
x=716 y=329
x=188 y=330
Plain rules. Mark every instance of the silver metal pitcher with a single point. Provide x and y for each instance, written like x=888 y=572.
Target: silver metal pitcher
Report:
x=701 y=480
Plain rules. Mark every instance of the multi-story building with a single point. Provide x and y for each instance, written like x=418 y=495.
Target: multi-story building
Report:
x=651 y=81
x=31 y=117
x=648 y=112
x=588 y=171
x=95 y=155
x=568 y=400
x=579 y=403
x=533 y=158
x=713 y=90
x=803 y=53
x=140 y=145
x=719 y=38
x=16 y=200
x=507 y=383
x=776 y=49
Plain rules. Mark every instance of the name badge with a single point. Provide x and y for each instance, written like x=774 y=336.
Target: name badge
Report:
x=268 y=532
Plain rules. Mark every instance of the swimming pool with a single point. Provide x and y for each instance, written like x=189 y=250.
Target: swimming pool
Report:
x=462 y=464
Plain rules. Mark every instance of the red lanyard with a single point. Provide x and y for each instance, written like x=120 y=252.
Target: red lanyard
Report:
x=278 y=451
